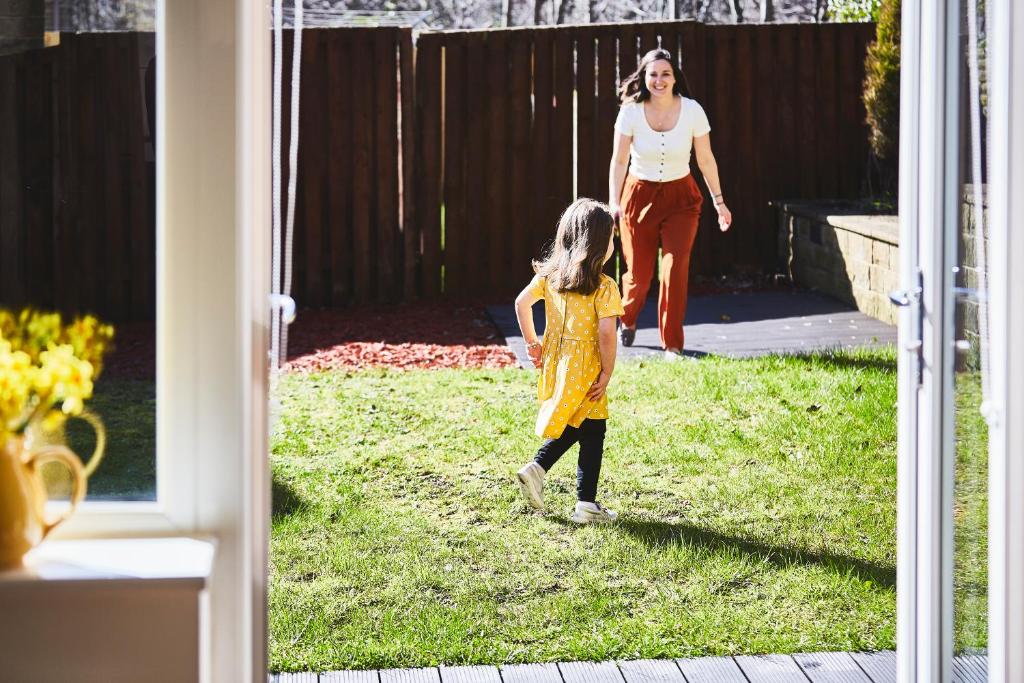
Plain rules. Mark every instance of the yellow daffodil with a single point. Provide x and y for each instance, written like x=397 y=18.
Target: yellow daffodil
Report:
x=44 y=364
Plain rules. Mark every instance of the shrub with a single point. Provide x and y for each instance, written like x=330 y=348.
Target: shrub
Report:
x=854 y=10
x=882 y=94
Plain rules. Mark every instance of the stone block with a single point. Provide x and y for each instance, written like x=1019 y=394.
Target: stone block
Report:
x=859 y=248
x=883 y=280
x=880 y=253
x=859 y=273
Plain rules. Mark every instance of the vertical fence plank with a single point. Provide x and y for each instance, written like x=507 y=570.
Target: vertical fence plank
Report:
x=312 y=174
x=91 y=241
x=454 y=165
x=386 y=121
x=363 y=174
x=627 y=37
x=339 y=164
x=784 y=86
x=477 y=105
x=807 y=105
x=11 y=231
x=411 y=285
x=693 y=63
x=607 y=110
x=588 y=183
x=65 y=177
x=540 y=165
x=520 y=48
x=648 y=34
x=141 y=212
x=721 y=66
x=766 y=151
x=497 y=214
x=562 y=136
x=430 y=173
x=745 y=181
x=829 y=155
x=37 y=167
x=110 y=58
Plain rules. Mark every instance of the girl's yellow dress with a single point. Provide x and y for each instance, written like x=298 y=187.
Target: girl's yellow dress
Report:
x=571 y=355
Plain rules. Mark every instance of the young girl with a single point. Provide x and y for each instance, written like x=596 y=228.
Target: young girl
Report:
x=581 y=305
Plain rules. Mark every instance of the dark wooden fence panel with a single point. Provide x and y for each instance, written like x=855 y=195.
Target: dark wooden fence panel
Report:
x=442 y=181
x=77 y=203
x=783 y=101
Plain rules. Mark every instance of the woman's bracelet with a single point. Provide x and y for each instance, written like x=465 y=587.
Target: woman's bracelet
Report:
x=530 y=345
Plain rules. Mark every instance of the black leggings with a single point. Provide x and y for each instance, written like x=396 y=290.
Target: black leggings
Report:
x=590 y=435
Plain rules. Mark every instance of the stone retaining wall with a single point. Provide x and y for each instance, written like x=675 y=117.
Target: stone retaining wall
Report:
x=838 y=250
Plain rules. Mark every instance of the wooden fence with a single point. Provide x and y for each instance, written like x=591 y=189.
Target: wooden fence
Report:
x=515 y=123
x=76 y=177
x=434 y=170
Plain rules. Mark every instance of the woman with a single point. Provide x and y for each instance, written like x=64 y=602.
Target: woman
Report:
x=659 y=201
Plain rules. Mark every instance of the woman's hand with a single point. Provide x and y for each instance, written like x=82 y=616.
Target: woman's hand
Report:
x=724 y=216
x=599 y=386
x=534 y=350
x=616 y=216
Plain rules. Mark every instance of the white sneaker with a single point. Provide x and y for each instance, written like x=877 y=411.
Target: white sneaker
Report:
x=588 y=513
x=531 y=483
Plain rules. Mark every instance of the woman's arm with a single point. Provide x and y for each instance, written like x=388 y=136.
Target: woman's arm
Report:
x=607 y=343
x=709 y=168
x=617 y=168
x=524 y=314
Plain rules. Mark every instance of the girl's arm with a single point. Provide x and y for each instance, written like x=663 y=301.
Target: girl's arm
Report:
x=617 y=168
x=524 y=314
x=709 y=168
x=607 y=343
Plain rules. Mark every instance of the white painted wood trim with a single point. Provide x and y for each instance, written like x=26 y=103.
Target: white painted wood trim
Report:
x=1006 y=416
x=906 y=465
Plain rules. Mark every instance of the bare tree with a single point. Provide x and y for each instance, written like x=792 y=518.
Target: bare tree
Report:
x=538 y=12
x=767 y=11
x=507 y=12
x=564 y=9
x=736 y=11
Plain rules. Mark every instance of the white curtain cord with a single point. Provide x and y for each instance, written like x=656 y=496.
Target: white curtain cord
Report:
x=980 y=247
x=281 y=287
x=275 y=192
x=293 y=157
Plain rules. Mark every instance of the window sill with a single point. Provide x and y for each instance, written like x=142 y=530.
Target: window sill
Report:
x=149 y=562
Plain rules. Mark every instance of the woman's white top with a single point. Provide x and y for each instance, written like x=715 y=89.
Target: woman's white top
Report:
x=657 y=155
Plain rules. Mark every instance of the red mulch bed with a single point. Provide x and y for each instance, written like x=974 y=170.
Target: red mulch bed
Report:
x=403 y=337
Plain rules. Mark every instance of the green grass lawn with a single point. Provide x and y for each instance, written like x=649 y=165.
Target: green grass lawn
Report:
x=757 y=502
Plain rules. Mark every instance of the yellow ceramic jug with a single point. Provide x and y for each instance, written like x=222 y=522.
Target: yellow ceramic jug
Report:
x=23 y=497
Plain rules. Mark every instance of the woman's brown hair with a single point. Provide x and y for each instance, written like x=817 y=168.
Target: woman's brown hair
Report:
x=634 y=87
x=575 y=259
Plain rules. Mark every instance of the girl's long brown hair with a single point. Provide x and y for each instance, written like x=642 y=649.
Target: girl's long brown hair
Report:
x=634 y=87
x=575 y=259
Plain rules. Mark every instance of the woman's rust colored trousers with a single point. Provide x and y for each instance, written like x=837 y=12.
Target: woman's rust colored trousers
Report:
x=668 y=213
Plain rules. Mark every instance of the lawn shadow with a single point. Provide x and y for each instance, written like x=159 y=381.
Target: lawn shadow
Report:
x=837 y=360
x=659 y=534
x=284 y=500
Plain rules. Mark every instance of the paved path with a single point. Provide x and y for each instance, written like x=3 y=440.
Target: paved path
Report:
x=820 y=667
x=738 y=325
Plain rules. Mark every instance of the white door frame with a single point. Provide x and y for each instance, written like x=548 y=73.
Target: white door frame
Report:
x=213 y=264
x=929 y=208
x=1006 y=414
x=929 y=215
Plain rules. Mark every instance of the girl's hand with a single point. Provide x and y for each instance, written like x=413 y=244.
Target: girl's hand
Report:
x=534 y=350
x=724 y=216
x=599 y=386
